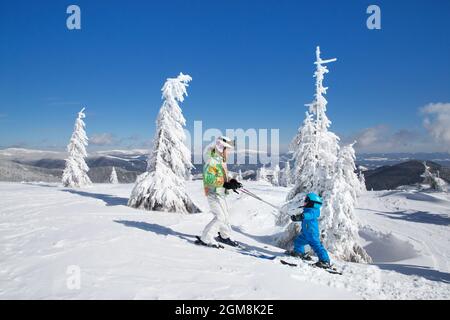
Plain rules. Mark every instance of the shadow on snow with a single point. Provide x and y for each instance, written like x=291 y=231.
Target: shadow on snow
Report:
x=410 y=270
x=267 y=240
x=418 y=216
x=109 y=200
x=155 y=228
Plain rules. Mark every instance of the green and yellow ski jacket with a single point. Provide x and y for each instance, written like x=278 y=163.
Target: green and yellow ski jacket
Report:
x=214 y=173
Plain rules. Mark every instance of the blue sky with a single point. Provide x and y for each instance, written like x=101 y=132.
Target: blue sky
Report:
x=251 y=63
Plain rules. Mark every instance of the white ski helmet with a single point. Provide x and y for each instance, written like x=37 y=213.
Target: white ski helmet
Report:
x=223 y=142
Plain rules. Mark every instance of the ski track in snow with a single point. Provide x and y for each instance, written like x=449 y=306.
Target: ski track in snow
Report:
x=125 y=253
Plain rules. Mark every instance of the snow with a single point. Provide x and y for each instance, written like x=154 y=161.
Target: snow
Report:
x=126 y=253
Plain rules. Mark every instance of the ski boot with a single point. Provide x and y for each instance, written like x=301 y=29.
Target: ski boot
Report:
x=227 y=241
x=303 y=256
x=323 y=265
x=199 y=241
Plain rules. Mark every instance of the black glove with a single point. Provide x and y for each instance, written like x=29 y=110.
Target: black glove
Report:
x=233 y=184
x=297 y=217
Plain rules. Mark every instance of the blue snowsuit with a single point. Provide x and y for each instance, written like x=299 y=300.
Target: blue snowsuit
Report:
x=310 y=234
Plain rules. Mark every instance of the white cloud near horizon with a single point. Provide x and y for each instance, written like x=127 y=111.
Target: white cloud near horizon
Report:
x=437 y=122
x=102 y=139
x=381 y=138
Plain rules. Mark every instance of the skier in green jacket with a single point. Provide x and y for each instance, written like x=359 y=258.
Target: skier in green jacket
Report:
x=216 y=185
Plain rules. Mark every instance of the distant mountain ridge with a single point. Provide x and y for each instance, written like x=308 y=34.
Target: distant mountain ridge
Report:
x=385 y=171
x=405 y=173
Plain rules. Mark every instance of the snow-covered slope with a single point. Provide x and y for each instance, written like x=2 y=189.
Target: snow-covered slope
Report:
x=133 y=254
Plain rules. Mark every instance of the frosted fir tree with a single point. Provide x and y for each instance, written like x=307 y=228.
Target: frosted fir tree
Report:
x=276 y=175
x=347 y=156
x=75 y=172
x=427 y=176
x=317 y=169
x=239 y=177
x=304 y=146
x=362 y=181
x=262 y=174
x=327 y=143
x=441 y=185
x=162 y=187
x=286 y=174
x=435 y=182
x=113 y=178
x=338 y=224
x=315 y=147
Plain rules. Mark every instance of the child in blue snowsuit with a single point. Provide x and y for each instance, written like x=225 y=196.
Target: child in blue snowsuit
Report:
x=310 y=234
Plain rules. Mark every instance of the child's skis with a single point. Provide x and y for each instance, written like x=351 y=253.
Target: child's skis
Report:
x=331 y=270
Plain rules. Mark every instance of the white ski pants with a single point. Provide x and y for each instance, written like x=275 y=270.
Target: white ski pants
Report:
x=220 y=222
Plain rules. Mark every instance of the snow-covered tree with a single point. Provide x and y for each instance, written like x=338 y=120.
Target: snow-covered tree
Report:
x=285 y=175
x=75 y=172
x=317 y=169
x=162 y=187
x=362 y=181
x=338 y=225
x=276 y=175
x=262 y=174
x=441 y=185
x=347 y=157
x=304 y=147
x=427 y=175
x=113 y=178
x=239 y=177
x=327 y=143
x=315 y=147
x=435 y=182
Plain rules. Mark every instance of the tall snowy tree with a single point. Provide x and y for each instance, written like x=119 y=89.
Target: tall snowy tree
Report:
x=262 y=174
x=276 y=175
x=287 y=175
x=338 y=225
x=75 y=172
x=239 y=177
x=317 y=169
x=315 y=147
x=362 y=181
x=113 y=178
x=435 y=182
x=162 y=187
x=304 y=147
x=427 y=175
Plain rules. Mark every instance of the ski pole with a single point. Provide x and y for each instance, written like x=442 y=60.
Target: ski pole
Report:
x=251 y=194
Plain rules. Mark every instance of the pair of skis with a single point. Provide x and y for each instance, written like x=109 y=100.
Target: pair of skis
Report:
x=240 y=249
x=331 y=269
x=253 y=253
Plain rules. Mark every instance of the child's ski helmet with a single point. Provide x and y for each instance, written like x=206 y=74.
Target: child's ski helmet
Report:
x=314 y=198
